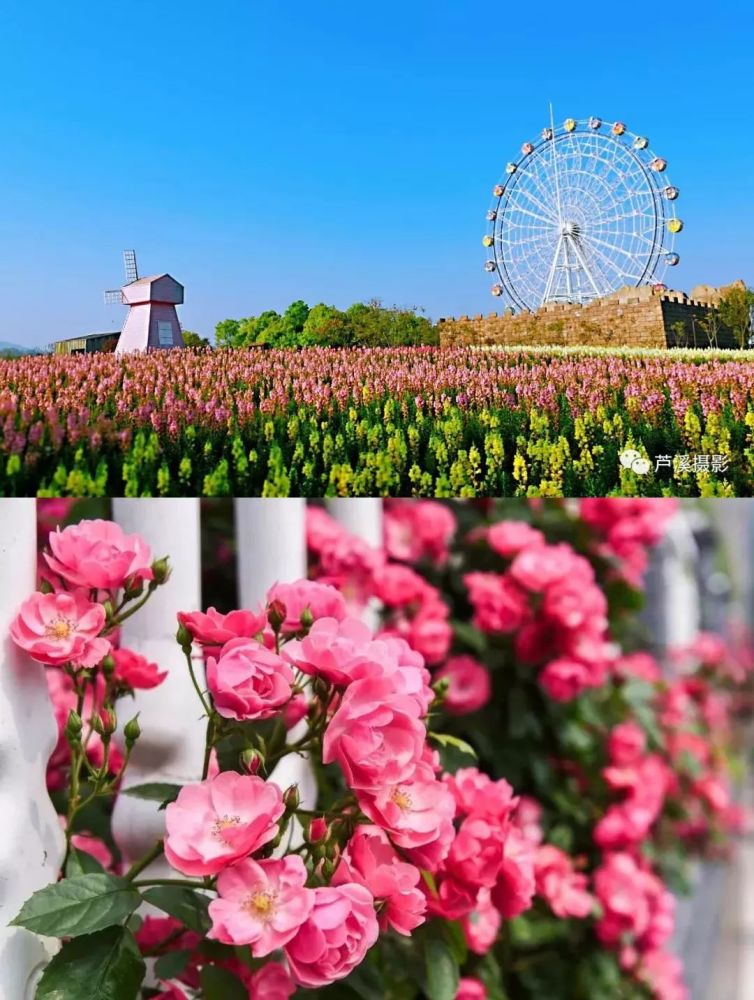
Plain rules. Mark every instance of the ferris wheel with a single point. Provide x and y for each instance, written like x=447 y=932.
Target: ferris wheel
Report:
x=582 y=212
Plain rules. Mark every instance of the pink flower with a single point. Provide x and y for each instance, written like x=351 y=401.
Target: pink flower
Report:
x=563 y=888
x=481 y=925
x=332 y=649
x=507 y=538
x=626 y=743
x=476 y=853
x=271 y=982
x=416 y=814
x=514 y=889
x=499 y=605
x=261 y=903
x=418 y=529
x=136 y=671
x=469 y=684
x=527 y=817
x=61 y=628
x=474 y=792
x=564 y=679
x=319 y=600
x=396 y=585
x=370 y=860
x=248 y=681
x=216 y=822
x=538 y=567
x=620 y=888
x=376 y=735
x=335 y=937
x=295 y=710
x=214 y=629
x=471 y=989
x=99 y=555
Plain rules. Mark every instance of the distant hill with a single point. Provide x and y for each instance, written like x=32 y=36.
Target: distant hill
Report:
x=8 y=347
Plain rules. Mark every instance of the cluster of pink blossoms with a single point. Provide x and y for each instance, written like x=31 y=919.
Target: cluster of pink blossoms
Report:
x=628 y=527
x=548 y=599
x=377 y=695
x=65 y=627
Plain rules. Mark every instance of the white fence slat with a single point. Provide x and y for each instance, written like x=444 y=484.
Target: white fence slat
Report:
x=31 y=840
x=361 y=516
x=171 y=747
x=271 y=547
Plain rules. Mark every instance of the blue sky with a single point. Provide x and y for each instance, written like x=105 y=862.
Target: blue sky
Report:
x=263 y=152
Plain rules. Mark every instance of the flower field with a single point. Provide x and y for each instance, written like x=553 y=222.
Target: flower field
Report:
x=407 y=421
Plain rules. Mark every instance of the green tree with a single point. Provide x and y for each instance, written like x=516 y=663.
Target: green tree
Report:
x=327 y=326
x=227 y=333
x=191 y=339
x=735 y=312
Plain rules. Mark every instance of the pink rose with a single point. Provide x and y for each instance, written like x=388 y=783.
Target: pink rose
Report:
x=469 y=684
x=416 y=814
x=513 y=892
x=136 y=671
x=476 y=853
x=271 y=982
x=481 y=925
x=396 y=585
x=319 y=600
x=475 y=792
x=335 y=937
x=261 y=903
x=507 y=538
x=471 y=989
x=499 y=605
x=295 y=710
x=564 y=680
x=564 y=889
x=61 y=628
x=376 y=735
x=418 y=529
x=248 y=681
x=332 y=649
x=626 y=743
x=528 y=817
x=216 y=822
x=99 y=555
x=429 y=632
x=370 y=860
x=214 y=629
x=540 y=566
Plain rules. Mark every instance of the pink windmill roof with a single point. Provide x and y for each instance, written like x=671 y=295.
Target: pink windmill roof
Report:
x=155 y=288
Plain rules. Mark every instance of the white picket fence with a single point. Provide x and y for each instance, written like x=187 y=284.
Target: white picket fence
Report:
x=271 y=547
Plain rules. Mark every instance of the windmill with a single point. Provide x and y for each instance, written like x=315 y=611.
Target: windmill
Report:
x=152 y=320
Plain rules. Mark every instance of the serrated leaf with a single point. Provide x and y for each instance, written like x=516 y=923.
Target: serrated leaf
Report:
x=106 y=965
x=186 y=905
x=219 y=984
x=79 y=905
x=81 y=863
x=155 y=791
x=441 y=968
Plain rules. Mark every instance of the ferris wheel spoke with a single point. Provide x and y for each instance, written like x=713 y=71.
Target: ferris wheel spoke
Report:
x=589 y=238
x=616 y=269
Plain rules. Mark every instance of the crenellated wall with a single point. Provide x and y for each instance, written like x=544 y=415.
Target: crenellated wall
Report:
x=630 y=317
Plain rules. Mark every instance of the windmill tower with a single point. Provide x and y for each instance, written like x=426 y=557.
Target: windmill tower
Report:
x=151 y=320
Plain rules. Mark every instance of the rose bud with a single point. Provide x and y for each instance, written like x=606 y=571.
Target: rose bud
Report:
x=161 y=570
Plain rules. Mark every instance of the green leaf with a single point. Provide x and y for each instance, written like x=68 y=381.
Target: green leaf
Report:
x=219 y=984
x=171 y=965
x=470 y=636
x=81 y=863
x=155 y=791
x=442 y=970
x=456 y=939
x=78 y=905
x=446 y=740
x=105 y=966
x=186 y=905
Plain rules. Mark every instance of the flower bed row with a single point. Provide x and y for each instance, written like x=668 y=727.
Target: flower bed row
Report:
x=408 y=421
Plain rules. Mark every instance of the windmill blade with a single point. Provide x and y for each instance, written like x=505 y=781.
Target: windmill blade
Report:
x=113 y=295
x=129 y=261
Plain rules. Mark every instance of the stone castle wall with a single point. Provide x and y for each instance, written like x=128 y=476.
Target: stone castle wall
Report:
x=630 y=317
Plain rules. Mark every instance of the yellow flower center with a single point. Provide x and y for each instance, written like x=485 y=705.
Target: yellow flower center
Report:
x=402 y=799
x=260 y=904
x=61 y=628
x=223 y=824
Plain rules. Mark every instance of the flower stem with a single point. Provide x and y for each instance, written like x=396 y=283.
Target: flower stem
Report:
x=146 y=859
